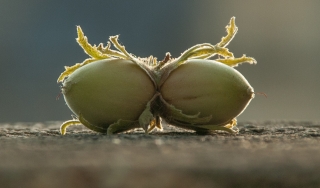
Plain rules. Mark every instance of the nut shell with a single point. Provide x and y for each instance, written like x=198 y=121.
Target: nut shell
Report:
x=108 y=90
x=209 y=87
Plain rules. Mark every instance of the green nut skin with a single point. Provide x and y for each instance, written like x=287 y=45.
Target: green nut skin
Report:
x=209 y=87
x=106 y=91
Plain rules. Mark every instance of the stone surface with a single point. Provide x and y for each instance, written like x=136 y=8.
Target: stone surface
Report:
x=263 y=154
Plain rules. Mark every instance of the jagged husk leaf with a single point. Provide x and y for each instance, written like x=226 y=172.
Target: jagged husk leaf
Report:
x=171 y=113
x=95 y=52
x=90 y=126
x=117 y=127
x=80 y=121
x=66 y=124
x=155 y=123
x=200 y=51
x=177 y=118
x=228 y=127
x=92 y=51
x=233 y=62
x=122 y=126
x=147 y=118
x=231 y=30
x=70 y=70
x=205 y=129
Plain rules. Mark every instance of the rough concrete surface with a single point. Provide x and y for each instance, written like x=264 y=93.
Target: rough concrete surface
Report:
x=263 y=154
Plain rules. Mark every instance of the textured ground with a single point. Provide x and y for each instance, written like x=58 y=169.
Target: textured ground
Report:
x=263 y=154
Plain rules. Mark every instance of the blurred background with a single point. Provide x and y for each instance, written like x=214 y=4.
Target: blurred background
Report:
x=37 y=39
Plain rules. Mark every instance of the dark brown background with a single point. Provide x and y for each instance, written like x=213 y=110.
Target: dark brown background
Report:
x=38 y=38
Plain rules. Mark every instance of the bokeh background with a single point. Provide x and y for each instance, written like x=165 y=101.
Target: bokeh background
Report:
x=37 y=39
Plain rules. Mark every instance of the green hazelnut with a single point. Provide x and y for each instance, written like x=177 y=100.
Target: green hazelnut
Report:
x=209 y=88
x=106 y=91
